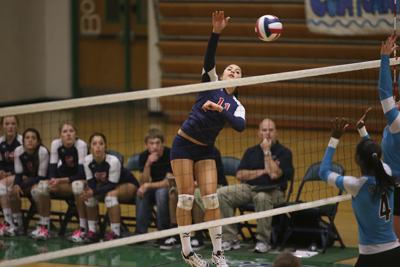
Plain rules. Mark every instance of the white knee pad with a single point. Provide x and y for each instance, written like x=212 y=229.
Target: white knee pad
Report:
x=3 y=190
x=35 y=194
x=110 y=202
x=185 y=201
x=91 y=202
x=77 y=187
x=210 y=201
x=43 y=188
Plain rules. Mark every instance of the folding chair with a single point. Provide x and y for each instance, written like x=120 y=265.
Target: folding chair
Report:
x=230 y=165
x=329 y=211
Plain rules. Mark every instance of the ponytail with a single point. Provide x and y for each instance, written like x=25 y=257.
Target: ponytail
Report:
x=370 y=153
x=383 y=180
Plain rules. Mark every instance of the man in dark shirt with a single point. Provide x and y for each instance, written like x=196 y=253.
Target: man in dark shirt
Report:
x=155 y=167
x=261 y=165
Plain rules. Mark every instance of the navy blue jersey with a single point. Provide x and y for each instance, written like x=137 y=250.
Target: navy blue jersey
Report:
x=67 y=162
x=373 y=210
x=24 y=165
x=103 y=177
x=253 y=159
x=205 y=126
x=7 y=153
x=158 y=169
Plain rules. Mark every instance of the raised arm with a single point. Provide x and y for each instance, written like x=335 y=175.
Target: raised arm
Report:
x=385 y=86
x=361 y=125
x=219 y=23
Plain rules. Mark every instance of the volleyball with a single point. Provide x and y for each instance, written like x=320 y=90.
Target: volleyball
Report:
x=268 y=28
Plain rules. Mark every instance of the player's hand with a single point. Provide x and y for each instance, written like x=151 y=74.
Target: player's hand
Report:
x=87 y=193
x=16 y=191
x=53 y=184
x=209 y=105
x=338 y=127
x=219 y=21
x=363 y=119
x=2 y=174
x=389 y=46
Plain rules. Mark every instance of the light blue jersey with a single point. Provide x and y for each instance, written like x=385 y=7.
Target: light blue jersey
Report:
x=373 y=210
x=391 y=134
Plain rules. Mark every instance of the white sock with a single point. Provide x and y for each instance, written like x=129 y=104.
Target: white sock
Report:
x=8 y=216
x=185 y=240
x=115 y=227
x=83 y=223
x=18 y=219
x=216 y=238
x=45 y=221
x=92 y=225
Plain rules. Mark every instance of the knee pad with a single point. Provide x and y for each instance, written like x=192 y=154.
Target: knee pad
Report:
x=110 y=202
x=35 y=194
x=3 y=190
x=77 y=187
x=43 y=188
x=185 y=201
x=210 y=201
x=91 y=202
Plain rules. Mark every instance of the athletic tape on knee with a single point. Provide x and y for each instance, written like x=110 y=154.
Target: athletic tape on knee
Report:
x=3 y=190
x=110 y=202
x=91 y=202
x=185 y=201
x=35 y=194
x=43 y=188
x=77 y=187
x=210 y=201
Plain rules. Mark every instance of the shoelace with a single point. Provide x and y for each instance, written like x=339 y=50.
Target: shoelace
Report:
x=220 y=258
x=43 y=230
x=197 y=259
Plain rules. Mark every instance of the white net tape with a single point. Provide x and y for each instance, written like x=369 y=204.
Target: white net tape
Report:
x=176 y=90
x=171 y=232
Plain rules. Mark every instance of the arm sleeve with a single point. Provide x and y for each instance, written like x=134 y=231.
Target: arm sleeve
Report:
x=19 y=169
x=104 y=189
x=81 y=147
x=386 y=97
x=237 y=123
x=88 y=172
x=80 y=175
x=209 y=74
x=2 y=168
x=43 y=167
x=53 y=159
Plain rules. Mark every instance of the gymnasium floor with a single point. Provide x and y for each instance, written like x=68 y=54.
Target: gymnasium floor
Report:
x=148 y=255
x=129 y=140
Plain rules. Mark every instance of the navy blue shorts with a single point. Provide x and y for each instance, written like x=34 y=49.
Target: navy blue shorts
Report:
x=183 y=148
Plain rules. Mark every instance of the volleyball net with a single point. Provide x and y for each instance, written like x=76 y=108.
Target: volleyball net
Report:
x=301 y=103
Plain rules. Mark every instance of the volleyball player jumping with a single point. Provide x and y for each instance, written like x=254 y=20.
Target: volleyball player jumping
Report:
x=192 y=149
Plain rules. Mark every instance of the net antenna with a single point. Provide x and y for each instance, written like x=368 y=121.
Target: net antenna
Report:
x=394 y=52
